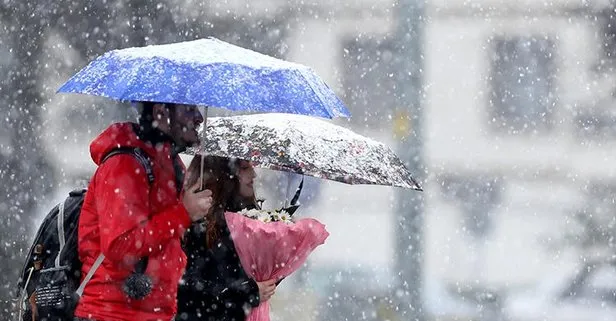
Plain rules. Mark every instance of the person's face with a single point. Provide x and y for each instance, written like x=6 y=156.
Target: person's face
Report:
x=185 y=121
x=246 y=175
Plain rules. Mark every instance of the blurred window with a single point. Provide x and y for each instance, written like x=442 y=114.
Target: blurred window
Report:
x=600 y=285
x=369 y=81
x=522 y=79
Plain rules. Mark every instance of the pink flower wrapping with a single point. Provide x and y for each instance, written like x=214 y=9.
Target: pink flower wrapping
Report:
x=273 y=250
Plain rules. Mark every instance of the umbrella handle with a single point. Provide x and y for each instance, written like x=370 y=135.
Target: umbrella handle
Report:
x=202 y=152
x=298 y=191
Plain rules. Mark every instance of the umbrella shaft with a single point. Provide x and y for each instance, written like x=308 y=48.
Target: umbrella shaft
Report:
x=202 y=165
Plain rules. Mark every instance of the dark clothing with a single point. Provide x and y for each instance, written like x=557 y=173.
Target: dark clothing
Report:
x=215 y=286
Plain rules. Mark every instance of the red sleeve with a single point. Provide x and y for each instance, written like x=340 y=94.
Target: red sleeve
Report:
x=128 y=230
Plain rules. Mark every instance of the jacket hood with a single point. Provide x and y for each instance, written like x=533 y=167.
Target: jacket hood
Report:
x=119 y=135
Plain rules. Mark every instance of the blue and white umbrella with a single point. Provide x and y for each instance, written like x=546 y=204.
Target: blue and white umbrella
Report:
x=208 y=72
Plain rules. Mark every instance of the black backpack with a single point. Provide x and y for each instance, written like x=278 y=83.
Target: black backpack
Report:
x=49 y=286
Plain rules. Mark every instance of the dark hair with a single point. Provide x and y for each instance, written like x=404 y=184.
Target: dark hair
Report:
x=220 y=176
x=146 y=116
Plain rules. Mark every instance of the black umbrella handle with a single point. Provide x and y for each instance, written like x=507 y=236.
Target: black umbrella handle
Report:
x=297 y=192
x=293 y=206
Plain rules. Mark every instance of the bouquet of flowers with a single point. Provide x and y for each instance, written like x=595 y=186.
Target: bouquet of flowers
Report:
x=268 y=216
x=272 y=245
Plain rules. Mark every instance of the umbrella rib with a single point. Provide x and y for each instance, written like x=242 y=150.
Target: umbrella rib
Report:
x=304 y=77
x=131 y=81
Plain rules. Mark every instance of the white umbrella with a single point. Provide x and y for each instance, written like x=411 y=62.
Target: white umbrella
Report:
x=307 y=146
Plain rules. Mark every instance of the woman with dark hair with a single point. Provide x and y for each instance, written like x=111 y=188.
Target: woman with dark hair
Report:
x=215 y=286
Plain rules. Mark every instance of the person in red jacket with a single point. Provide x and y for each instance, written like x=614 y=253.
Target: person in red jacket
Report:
x=126 y=218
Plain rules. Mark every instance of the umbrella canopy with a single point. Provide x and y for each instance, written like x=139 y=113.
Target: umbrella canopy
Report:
x=208 y=72
x=307 y=146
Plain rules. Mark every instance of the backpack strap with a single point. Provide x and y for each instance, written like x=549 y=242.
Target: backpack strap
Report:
x=144 y=160
x=60 y=232
x=97 y=263
x=139 y=154
x=22 y=299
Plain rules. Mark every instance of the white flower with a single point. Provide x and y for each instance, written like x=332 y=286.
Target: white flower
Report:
x=249 y=213
x=264 y=217
x=275 y=216
x=267 y=216
x=285 y=217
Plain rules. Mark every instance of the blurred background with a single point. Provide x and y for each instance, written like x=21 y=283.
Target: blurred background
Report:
x=504 y=110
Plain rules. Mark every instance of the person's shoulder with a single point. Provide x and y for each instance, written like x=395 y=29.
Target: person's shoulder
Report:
x=122 y=164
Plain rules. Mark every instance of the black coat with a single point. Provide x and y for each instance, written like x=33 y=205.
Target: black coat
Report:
x=214 y=286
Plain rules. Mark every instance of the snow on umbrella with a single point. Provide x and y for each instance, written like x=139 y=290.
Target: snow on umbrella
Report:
x=208 y=72
x=307 y=146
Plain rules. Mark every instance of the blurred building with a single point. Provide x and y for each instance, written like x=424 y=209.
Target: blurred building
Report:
x=519 y=123
x=519 y=139
x=519 y=126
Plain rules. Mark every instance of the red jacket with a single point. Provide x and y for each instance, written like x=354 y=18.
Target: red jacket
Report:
x=126 y=218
